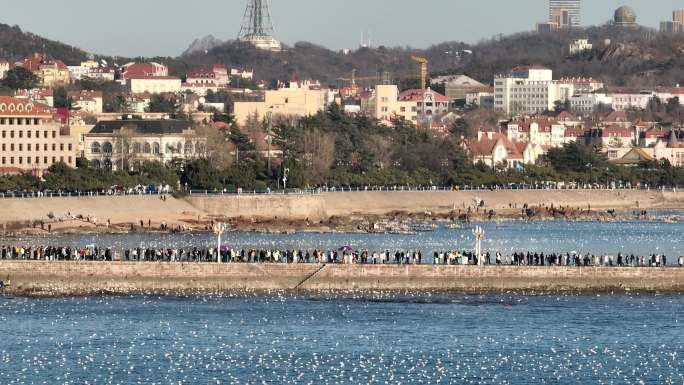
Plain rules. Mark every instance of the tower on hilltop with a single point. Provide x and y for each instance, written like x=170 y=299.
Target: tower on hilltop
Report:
x=257 y=28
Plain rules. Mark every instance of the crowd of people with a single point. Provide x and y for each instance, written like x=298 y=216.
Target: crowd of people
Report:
x=344 y=255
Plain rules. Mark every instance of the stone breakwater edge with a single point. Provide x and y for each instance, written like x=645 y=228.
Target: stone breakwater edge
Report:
x=58 y=279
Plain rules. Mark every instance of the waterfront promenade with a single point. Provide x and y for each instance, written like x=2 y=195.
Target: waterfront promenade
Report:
x=56 y=278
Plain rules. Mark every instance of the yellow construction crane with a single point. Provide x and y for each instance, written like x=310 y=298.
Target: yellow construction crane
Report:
x=423 y=69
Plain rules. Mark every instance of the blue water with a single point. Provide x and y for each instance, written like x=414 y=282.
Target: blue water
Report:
x=426 y=339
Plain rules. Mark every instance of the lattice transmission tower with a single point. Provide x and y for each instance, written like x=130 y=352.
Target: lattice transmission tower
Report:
x=257 y=27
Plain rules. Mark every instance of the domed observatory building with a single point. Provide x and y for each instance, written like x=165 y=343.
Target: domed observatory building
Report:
x=625 y=17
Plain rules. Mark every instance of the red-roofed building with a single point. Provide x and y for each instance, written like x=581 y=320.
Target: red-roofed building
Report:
x=428 y=102
x=152 y=69
x=652 y=136
x=50 y=71
x=201 y=76
x=31 y=139
x=616 y=136
x=492 y=149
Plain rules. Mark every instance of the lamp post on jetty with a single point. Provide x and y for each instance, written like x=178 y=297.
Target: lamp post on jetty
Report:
x=479 y=234
x=219 y=229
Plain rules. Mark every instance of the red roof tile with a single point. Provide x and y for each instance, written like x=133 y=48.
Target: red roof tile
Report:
x=418 y=95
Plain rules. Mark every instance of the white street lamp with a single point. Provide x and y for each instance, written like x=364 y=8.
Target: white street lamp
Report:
x=219 y=229
x=479 y=234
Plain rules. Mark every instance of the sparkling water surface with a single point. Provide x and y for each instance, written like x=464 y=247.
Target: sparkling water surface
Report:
x=374 y=339
x=378 y=339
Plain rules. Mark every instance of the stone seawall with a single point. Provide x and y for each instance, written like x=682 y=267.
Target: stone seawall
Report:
x=80 y=278
x=326 y=205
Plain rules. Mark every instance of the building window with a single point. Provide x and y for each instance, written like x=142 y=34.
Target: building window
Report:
x=107 y=148
x=37 y=160
x=95 y=148
x=45 y=134
x=11 y=160
x=61 y=147
x=54 y=134
x=188 y=148
x=155 y=148
x=11 y=146
x=28 y=134
x=54 y=147
x=70 y=147
x=12 y=134
x=21 y=147
x=136 y=148
x=3 y=160
x=45 y=160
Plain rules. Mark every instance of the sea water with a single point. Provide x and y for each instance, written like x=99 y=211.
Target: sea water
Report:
x=370 y=339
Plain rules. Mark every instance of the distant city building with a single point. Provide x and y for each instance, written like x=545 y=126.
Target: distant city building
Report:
x=384 y=105
x=531 y=89
x=579 y=45
x=625 y=17
x=546 y=27
x=296 y=100
x=242 y=73
x=153 y=84
x=31 y=139
x=429 y=103
x=483 y=99
x=152 y=69
x=50 y=71
x=103 y=74
x=565 y=13
x=457 y=86
x=588 y=103
x=86 y=101
x=676 y=25
x=125 y=144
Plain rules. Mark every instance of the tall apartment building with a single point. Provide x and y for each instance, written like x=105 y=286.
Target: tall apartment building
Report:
x=531 y=89
x=30 y=138
x=676 y=25
x=565 y=13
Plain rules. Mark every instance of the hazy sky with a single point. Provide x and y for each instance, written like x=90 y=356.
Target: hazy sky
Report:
x=166 y=27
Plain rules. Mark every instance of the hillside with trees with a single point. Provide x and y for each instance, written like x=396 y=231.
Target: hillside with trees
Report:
x=637 y=57
x=16 y=44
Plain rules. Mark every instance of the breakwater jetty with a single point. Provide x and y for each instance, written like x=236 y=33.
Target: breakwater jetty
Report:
x=52 y=278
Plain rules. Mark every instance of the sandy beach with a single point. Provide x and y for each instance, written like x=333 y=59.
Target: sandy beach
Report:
x=341 y=211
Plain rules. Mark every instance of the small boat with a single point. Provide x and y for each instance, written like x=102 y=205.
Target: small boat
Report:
x=454 y=226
